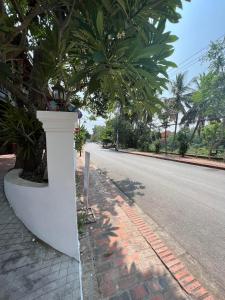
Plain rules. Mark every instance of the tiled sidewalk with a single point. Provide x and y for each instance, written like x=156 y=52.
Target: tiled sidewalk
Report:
x=31 y=269
x=188 y=160
x=126 y=266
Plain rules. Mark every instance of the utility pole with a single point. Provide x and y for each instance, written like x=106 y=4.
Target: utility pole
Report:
x=117 y=138
x=117 y=127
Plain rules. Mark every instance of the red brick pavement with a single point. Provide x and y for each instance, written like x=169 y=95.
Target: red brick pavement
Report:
x=7 y=162
x=131 y=261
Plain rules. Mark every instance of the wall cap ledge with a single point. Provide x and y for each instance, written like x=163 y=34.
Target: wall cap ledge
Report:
x=59 y=121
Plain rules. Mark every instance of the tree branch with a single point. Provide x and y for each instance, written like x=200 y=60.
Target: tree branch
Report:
x=38 y=9
x=15 y=91
x=17 y=9
x=66 y=22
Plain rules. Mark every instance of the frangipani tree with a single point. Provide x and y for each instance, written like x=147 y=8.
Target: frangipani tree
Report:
x=107 y=50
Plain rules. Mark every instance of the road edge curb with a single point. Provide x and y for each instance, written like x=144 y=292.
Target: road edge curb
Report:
x=174 y=265
x=176 y=160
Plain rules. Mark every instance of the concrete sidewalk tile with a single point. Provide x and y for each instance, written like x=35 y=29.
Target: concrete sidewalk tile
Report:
x=123 y=296
x=30 y=269
x=139 y=292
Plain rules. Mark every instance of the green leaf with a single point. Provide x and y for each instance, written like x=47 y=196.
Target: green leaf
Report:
x=161 y=25
x=5 y=71
x=98 y=56
x=123 y=5
x=172 y=39
x=100 y=22
x=146 y=52
x=169 y=64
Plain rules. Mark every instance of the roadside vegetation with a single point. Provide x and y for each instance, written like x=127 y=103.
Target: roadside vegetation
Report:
x=196 y=108
x=80 y=137
x=94 y=55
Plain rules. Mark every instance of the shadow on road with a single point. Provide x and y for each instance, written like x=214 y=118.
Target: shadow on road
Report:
x=125 y=266
x=127 y=186
x=130 y=188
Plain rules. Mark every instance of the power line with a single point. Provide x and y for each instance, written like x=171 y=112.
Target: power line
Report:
x=188 y=65
x=186 y=61
x=199 y=51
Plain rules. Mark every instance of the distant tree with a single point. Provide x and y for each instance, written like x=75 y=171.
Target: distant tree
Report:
x=80 y=138
x=165 y=118
x=97 y=133
x=108 y=50
x=180 y=99
x=212 y=135
x=208 y=101
x=216 y=56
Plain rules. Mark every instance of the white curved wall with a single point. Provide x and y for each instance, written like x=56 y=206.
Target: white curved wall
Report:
x=49 y=210
x=42 y=211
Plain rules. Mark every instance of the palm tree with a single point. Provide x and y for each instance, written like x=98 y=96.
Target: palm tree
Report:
x=181 y=98
x=196 y=110
x=195 y=114
x=207 y=104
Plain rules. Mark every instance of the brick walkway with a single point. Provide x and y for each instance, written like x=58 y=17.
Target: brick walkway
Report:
x=126 y=267
x=188 y=160
x=31 y=270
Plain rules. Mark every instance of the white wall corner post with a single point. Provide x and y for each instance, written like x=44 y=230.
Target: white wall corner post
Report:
x=61 y=204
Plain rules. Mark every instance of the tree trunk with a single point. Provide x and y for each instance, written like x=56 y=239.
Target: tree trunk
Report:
x=165 y=140
x=19 y=164
x=175 y=132
x=41 y=157
x=193 y=134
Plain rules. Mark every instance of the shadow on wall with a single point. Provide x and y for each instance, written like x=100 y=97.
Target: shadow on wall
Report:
x=126 y=268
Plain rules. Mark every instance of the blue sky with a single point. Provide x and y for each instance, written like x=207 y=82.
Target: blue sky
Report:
x=202 y=21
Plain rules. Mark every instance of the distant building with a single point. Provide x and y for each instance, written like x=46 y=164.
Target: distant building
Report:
x=166 y=134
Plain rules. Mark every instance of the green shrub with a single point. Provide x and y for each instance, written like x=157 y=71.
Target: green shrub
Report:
x=183 y=147
x=80 y=138
x=182 y=139
x=23 y=129
x=81 y=220
x=145 y=146
x=151 y=147
x=157 y=145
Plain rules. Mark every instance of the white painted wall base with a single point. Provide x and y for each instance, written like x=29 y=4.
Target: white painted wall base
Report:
x=49 y=210
x=43 y=212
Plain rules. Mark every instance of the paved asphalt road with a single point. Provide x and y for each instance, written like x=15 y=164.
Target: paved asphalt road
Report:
x=187 y=201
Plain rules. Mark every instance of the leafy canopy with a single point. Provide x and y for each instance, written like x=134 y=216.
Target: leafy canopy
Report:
x=108 y=50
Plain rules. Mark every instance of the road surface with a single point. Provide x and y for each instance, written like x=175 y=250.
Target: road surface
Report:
x=187 y=201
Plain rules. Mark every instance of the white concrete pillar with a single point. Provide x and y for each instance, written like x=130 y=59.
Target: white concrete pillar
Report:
x=61 y=202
